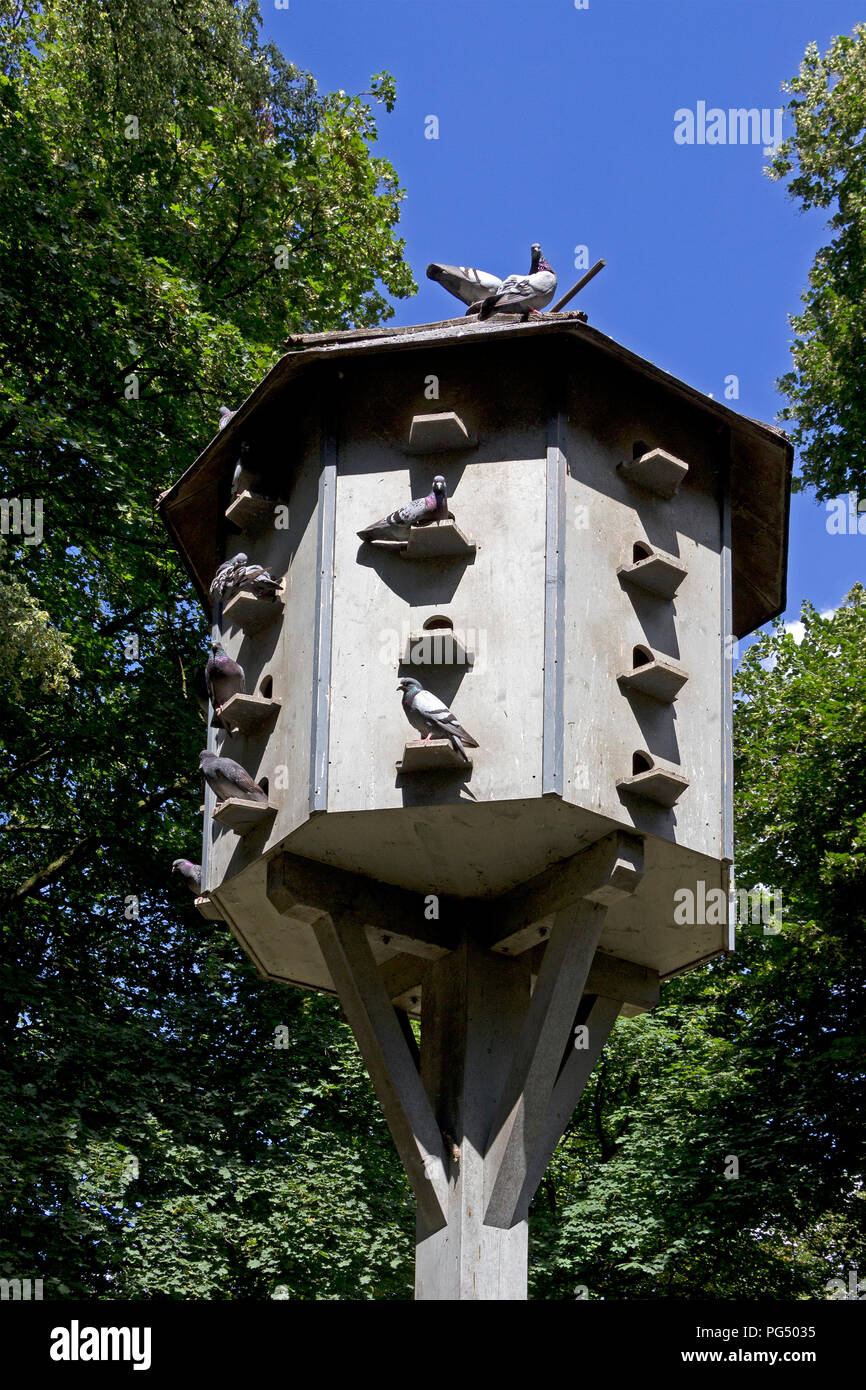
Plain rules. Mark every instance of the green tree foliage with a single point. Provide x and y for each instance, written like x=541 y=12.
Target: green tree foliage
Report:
x=31 y=648
x=760 y=1058
x=174 y=198
x=825 y=163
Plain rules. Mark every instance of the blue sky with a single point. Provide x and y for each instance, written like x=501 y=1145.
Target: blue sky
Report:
x=556 y=124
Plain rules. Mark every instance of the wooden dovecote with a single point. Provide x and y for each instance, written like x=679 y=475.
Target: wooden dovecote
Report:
x=611 y=529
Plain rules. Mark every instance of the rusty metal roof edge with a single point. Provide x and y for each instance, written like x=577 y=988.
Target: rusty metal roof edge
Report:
x=290 y=363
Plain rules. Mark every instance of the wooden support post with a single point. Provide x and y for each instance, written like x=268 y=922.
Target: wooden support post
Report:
x=473 y=1006
x=477 y=1116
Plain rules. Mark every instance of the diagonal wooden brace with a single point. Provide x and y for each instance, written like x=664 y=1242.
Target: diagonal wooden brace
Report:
x=392 y=1067
x=522 y=1112
x=578 y=903
x=606 y=872
x=576 y=1071
x=302 y=890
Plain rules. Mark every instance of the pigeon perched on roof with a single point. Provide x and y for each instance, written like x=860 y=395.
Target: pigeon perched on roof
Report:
x=226 y=778
x=190 y=873
x=524 y=294
x=237 y=573
x=225 y=416
x=430 y=717
x=419 y=512
x=464 y=282
x=247 y=479
x=224 y=678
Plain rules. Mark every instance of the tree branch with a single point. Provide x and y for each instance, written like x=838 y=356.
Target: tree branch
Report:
x=51 y=872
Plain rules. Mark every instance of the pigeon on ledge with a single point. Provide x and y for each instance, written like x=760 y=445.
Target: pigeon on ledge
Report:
x=524 y=294
x=226 y=778
x=228 y=576
x=225 y=416
x=237 y=573
x=190 y=873
x=430 y=717
x=258 y=581
x=464 y=282
x=419 y=512
x=224 y=678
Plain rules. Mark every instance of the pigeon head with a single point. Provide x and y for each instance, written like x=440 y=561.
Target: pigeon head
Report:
x=539 y=262
x=205 y=757
x=408 y=684
x=439 y=484
x=180 y=864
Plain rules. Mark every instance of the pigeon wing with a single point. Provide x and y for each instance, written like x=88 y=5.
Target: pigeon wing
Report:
x=521 y=292
x=431 y=708
x=224 y=679
x=228 y=778
x=465 y=282
x=395 y=527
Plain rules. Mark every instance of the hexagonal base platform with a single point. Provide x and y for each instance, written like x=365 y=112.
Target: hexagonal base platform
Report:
x=402 y=848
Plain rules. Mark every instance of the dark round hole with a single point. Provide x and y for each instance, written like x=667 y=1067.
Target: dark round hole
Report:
x=438 y=621
x=640 y=763
x=266 y=689
x=639 y=448
x=641 y=656
x=640 y=552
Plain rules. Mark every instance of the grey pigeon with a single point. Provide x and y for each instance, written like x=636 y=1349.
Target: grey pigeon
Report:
x=257 y=580
x=237 y=573
x=524 y=294
x=225 y=416
x=464 y=282
x=224 y=678
x=226 y=778
x=190 y=873
x=247 y=479
x=227 y=577
x=430 y=717
x=419 y=512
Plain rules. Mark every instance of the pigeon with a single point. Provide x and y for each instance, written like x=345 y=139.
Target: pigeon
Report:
x=224 y=678
x=419 y=512
x=259 y=581
x=523 y=294
x=190 y=873
x=237 y=573
x=429 y=716
x=225 y=416
x=247 y=479
x=472 y=286
x=226 y=778
x=227 y=577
